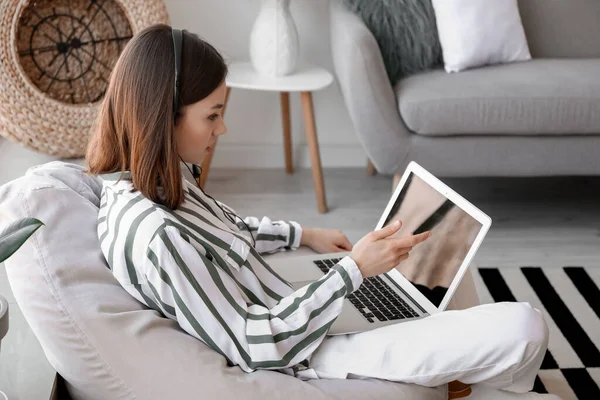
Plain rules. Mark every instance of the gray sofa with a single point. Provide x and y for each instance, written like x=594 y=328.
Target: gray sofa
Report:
x=540 y=117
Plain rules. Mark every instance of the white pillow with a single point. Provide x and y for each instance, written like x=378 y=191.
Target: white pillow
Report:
x=480 y=32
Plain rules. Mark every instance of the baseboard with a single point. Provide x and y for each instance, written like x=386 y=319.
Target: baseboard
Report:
x=226 y=156
x=272 y=156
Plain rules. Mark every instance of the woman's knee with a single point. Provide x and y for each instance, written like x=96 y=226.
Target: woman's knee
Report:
x=529 y=326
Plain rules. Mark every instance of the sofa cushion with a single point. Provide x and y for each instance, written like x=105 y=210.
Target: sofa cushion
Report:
x=544 y=96
x=101 y=340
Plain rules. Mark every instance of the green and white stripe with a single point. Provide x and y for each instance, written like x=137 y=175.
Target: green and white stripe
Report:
x=194 y=266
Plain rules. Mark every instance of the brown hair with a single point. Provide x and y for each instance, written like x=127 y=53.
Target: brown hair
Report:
x=134 y=130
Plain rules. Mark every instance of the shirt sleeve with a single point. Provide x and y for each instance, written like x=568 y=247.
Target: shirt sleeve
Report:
x=207 y=302
x=273 y=236
x=270 y=236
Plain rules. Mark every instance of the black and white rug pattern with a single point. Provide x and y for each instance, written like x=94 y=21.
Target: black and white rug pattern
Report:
x=569 y=298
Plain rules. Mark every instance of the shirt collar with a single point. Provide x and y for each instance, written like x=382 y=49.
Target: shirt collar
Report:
x=113 y=176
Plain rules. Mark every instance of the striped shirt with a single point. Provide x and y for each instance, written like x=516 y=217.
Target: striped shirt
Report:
x=195 y=266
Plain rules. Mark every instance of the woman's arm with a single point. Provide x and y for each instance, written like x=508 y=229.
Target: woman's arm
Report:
x=209 y=304
x=272 y=236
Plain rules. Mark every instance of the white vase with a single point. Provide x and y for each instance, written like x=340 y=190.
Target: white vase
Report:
x=274 y=39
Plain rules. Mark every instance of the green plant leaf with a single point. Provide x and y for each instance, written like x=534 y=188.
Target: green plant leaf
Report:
x=15 y=235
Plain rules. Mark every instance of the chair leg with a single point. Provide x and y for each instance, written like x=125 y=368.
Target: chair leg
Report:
x=371 y=168
x=208 y=159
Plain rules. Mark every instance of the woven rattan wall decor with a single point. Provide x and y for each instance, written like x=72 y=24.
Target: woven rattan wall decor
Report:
x=55 y=60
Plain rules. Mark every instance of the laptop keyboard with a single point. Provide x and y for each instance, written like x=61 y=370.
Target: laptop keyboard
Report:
x=374 y=299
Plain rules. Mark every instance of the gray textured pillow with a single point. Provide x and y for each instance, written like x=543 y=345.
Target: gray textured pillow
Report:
x=405 y=31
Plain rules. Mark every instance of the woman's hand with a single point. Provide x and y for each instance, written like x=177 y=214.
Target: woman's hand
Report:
x=377 y=252
x=325 y=240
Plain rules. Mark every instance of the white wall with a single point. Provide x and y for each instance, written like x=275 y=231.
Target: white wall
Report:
x=253 y=118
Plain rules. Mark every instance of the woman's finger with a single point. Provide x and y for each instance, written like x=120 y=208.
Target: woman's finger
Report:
x=339 y=248
x=403 y=250
x=345 y=244
x=421 y=237
x=334 y=249
x=403 y=257
x=413 y=240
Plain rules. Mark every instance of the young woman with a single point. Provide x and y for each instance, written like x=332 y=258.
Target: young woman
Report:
x=190 y=257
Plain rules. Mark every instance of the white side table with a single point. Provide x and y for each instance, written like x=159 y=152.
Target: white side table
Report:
x=306 y=79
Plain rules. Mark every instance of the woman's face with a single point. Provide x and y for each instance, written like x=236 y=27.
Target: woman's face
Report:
x=199 y=125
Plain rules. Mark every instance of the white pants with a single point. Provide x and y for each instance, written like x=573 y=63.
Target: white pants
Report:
x=501 y=345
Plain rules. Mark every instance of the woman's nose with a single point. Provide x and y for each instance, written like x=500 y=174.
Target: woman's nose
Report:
x=222 y=130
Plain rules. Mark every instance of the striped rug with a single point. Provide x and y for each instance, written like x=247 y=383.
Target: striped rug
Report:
x=569 y=299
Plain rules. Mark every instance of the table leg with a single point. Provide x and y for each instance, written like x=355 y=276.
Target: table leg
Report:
x=313 y=145
x=287 y=131
x=207 y=160
x=396 y=181
x=371 y=170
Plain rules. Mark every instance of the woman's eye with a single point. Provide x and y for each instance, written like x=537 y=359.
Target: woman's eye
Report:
x=213 y=117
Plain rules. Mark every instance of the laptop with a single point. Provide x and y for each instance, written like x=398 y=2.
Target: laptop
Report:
x=424 y=283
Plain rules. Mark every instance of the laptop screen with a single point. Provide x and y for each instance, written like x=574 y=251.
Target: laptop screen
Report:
x=433 y=264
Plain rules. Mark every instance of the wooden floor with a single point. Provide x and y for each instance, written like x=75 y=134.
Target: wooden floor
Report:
x=541 y=221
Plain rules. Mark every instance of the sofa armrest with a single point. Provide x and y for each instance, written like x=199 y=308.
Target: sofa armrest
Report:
x=367 y=91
